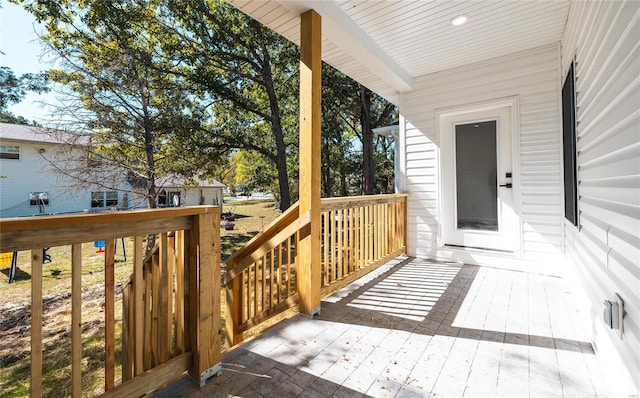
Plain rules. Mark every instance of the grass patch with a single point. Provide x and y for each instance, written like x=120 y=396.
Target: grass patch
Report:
x=15 y=307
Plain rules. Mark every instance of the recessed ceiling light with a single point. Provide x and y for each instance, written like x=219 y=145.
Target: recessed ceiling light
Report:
x=459 y=20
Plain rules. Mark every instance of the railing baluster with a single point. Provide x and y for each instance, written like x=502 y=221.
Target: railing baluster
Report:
x=325 y=247
x=36 y=323
x=281 y=264
x=296 y=252
x=138 y=307
x=380 y=234
x=263 y=295
x=148 y=316
x=171 y=321
x=127 y=372
x=289 y=265
x=254 y=293
x=352 y=240
x=165 y=314
x=385 y=227
x=76 y=320
x=369 y=232
x=340 y=248
x=249 y=295
x=179 y=256
x=271 y=279
x=361 y=236
x=155 y=307
x=188 y=257
x=109 y=315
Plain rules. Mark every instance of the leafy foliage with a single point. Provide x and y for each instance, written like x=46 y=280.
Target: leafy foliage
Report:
x=14 y=88
x=197 y=87
x=248 y=72
x=117 y=86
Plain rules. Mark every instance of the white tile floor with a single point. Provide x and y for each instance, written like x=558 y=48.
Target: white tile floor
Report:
x=419 y=328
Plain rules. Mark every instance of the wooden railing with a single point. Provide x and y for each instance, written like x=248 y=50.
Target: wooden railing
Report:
x=358 y=235
x=171 y=307
x=261 y=276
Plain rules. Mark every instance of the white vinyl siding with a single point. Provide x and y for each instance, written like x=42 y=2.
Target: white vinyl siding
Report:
x=531 y=76
x=29 y=175
x=604 y=40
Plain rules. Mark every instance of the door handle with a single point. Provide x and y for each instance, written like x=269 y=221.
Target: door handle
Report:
x=507 y=185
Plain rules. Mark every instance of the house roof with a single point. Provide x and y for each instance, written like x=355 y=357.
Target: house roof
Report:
x=19 y=132
x=386 y=45
x=176 y=181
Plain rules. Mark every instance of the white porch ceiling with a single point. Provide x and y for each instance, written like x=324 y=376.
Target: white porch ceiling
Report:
x=387 y=44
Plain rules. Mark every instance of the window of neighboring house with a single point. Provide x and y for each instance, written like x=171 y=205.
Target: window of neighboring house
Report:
x=111 y=198
x=9 y=152
x=174 y=199
x=104 y=199
x=38 y=198
x=569 y=148
x=162 y=198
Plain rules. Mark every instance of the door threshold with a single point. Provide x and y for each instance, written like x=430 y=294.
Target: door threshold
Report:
x=511 y=261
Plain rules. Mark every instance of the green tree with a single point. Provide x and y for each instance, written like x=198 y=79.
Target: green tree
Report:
x=248 y=72
x=9 y=117
x=339 y=165
x=374 y=112
x=14 y=88
x=350 y=150
x=122 y=110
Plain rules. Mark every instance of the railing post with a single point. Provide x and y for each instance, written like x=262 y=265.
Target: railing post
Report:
x=204 y=286
x=308 y=259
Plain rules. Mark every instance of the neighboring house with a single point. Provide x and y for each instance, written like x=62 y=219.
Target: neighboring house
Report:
x=29 y=187
x=519 y=136
x=179 y=191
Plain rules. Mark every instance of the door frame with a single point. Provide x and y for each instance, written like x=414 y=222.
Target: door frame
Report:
x=513 y=104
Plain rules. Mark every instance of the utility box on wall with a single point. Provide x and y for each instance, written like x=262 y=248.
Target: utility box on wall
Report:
x=613 y=314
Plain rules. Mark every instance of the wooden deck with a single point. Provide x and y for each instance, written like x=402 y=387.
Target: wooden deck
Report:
x=418 y=328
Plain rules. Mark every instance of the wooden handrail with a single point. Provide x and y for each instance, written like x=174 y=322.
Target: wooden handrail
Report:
x=273 y=241
x=88 y=219
x=25 y=233
x=365 y=200
x=275 y=226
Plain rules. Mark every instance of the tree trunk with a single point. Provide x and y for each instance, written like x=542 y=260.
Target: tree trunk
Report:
x=326 y=170
x=367 y=141
x=276 y=128
x=281 y=159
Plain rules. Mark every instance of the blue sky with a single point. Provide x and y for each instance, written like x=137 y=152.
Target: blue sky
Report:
x=22 y=53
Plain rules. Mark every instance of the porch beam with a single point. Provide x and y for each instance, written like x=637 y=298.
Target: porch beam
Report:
x=308 y=266
x=342 y=31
